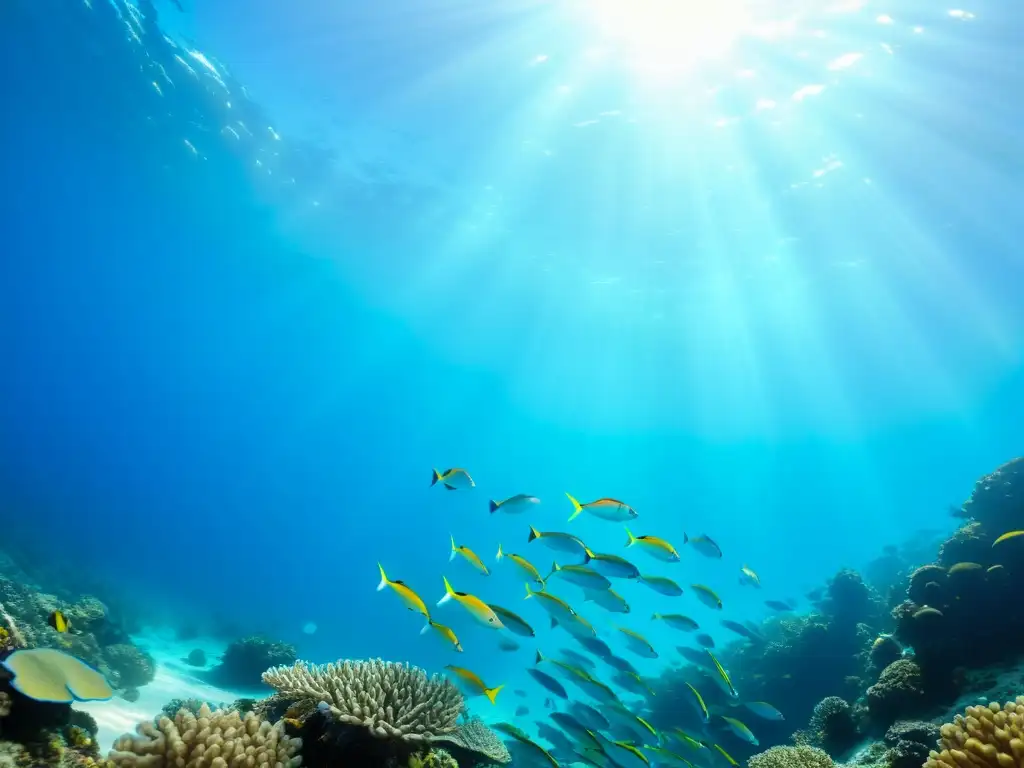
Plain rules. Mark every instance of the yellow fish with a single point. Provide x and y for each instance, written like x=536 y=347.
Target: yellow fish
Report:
x=657 y=548
x=477 y=608
x=1007 y=536
x=471 y=683
x=412 y=601
x=524 y=565
x=444 y=632
x=454 y=479
x=708 y=596
x=612 y=510
x=470 y=555
x=747 y=576
x=58 y=621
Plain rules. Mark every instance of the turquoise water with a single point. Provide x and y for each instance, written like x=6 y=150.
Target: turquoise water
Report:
x=752 y=272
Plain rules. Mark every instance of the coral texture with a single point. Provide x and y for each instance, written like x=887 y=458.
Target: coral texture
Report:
x=214 y=739
x=833 y=725
x=898 y=693
x=991 y=735
x=477 y=740
x=791 y=757
x=390 y=700
x=130 y=666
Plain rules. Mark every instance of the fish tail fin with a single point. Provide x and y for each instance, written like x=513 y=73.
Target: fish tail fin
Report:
x=576 y=507
x=631 y=540
x=529 y=592
x=426 y=627
x=534 y=533
x=655 y=616
x=448 y=592
x=500 y=553
x=492 y=693
x=554 y=622
x=455 y=549
x=493 y=505
x=435 y=476
x=686 y=539
x=538 y=658
x=383 y=578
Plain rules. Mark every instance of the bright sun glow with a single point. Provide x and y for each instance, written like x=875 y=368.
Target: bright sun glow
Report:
x=667 y=37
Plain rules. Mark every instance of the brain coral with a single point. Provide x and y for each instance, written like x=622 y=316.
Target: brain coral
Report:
x=990 y=735
x=214 y=739
x=391 y=700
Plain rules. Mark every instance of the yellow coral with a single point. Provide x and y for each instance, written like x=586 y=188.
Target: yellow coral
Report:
x=991 y=735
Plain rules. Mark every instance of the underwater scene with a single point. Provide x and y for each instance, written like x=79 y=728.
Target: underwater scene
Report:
x=440 y=384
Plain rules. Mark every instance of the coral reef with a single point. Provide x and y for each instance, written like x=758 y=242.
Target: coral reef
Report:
x=129 y=665
x=909 y=742
x=472 y=742
x=898 y=694
x=990 y=735
x=997 y=501
x=832 y=725
x=390 y=700
x=245 y=660
x=791 y=757
x=218 y=739
x=196 y=657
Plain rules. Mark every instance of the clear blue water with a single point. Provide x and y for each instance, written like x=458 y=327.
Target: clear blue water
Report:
x=766 y=292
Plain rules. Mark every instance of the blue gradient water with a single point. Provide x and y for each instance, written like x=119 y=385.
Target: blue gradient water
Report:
x=768 y=294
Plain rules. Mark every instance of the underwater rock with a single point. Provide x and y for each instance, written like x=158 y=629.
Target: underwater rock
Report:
x=968 y=543
x=245 y=661
x=899 y=693
x=196 y=657
x=129 y=665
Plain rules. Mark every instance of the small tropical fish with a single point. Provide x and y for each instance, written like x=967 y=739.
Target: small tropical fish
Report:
x=685 y=739
x=445 y=633
x=561 y=542
x=613 y=510
x=747 y=576
x=58 y=621
x=471 y=683
x=959 y=568
x=722 y=678
x=677 y=621
x=575 y=729
x=412 y=601
x=707 y=596
x=522 y=710
x=520 y=736
x=994 y=569
x=613 y=566
x=655 y=547
x=294 y=722
x=512 y=621
x=698 y=702
x=523 y=564
x=620 y=664
x=580 y=575
x=778 y=605
x=740 y=730
x=661 y=585
x=705 y=640
x=764 y=710
x=667 y=757
x=577 y=626
x=624 y=721
x=694 y=656
x=632 y=682
x=596 y=646
x=470 y=556
x=742 y=630
x=548 y=682
x=729 y=758
x=508 y=644
x=596 y=689
x=477 y=608
x=704 y=545
x=625 y=755
x=588 y=716
x=638 y=644
x=578 y=659
x=569 y=671
x=1007 y=536
x=454 y=479
x=555 y=736
x=608 y=599
x=556 y=607
x=514 y=505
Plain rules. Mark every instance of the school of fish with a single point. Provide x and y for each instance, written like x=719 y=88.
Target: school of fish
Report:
x=599 y=730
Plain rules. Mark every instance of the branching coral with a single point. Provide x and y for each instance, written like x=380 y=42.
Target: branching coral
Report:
x=214 y=739
x=791 y=757
x=390 y=700
x=990 y=735
x=477 y=742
